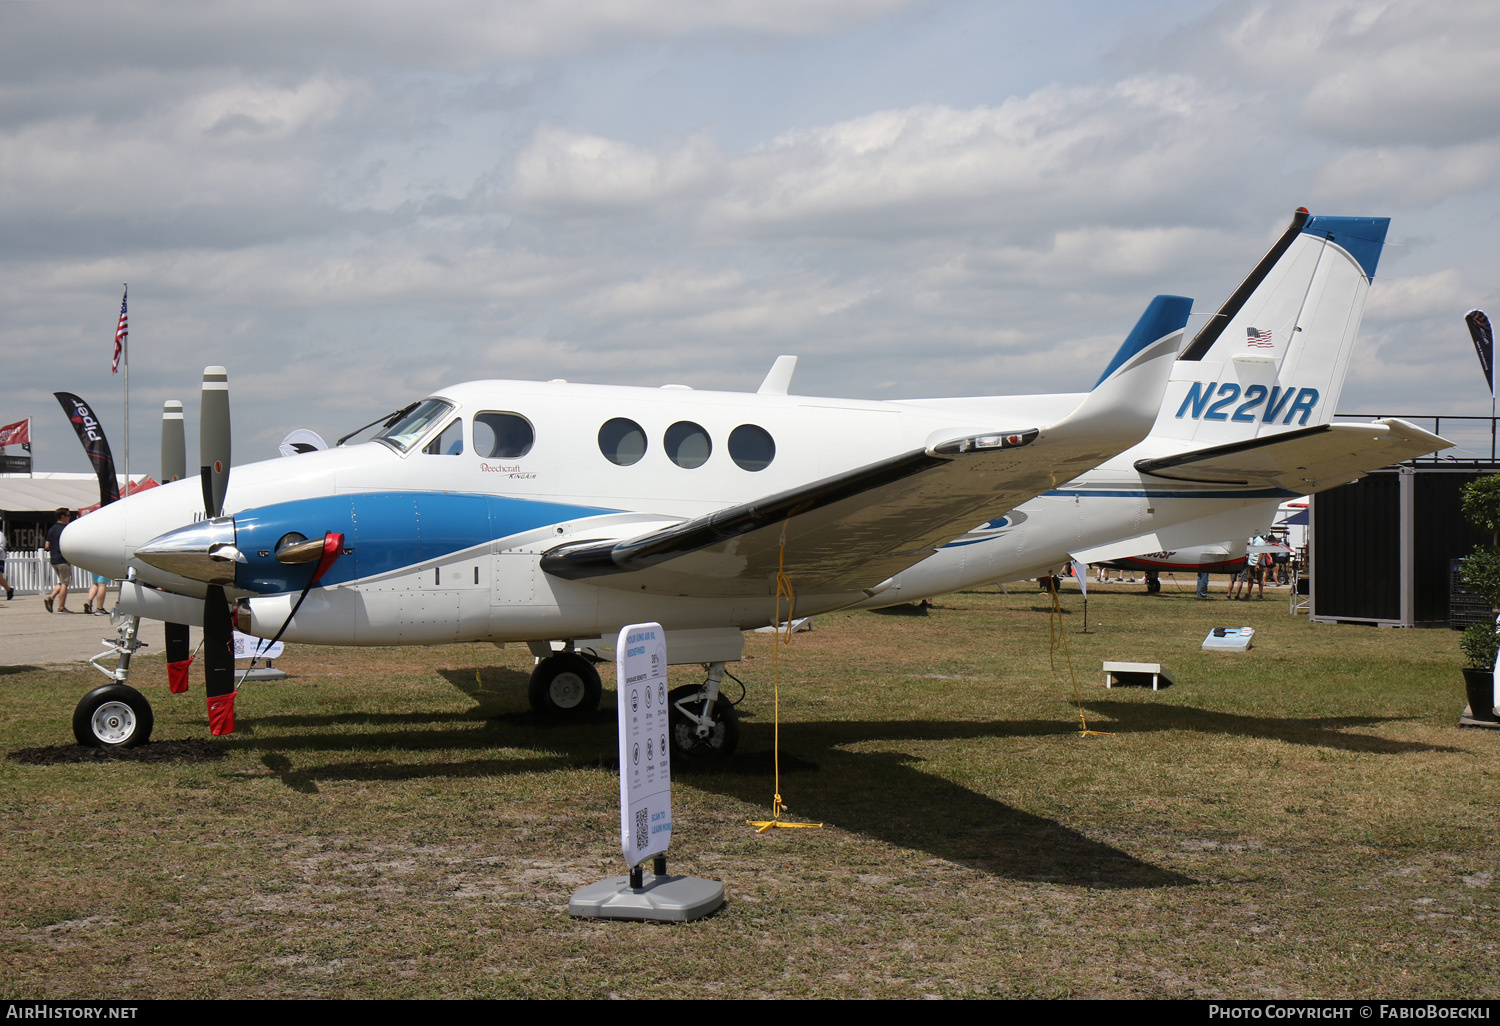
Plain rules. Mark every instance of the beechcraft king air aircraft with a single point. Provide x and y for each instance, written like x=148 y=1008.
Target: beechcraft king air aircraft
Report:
x=555 y=513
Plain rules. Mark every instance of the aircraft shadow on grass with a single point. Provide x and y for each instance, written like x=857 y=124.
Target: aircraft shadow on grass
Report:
x=910 y=808
x=1316 y=731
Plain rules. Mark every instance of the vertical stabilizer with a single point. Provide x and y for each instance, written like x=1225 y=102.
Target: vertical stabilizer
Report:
x=1274 y=356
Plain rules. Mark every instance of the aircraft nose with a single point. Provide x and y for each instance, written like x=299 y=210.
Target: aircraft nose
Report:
x=204 y=551
x=96 y=542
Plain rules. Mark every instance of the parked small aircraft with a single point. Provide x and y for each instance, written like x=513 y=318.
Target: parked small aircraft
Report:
x=553 y=513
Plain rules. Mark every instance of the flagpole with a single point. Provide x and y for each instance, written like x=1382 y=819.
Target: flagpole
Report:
x=125 y=353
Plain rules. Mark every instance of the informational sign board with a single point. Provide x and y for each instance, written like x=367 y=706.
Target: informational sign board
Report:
x=645 y=757
x=247 y=647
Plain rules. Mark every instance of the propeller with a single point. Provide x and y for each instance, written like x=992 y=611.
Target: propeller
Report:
x=218 y=626
x=174 y=468
x=207 y=551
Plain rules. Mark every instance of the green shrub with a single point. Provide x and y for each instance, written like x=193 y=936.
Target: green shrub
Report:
x=1480 y=643
x=1481 y=503
x=1481 y=571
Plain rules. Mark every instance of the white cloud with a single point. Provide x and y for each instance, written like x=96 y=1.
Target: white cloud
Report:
x=1364 y=72
x=569 y=174
x=1121 y=152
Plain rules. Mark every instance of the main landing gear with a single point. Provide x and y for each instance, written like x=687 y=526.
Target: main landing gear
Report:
x=705 y=728
x=115 y=715
x=705 y=725
x=566 y=686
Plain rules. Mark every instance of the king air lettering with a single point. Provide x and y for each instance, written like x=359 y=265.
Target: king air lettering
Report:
x=1231 y=404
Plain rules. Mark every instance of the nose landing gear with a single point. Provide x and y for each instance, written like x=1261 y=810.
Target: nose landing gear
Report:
x=115 y=715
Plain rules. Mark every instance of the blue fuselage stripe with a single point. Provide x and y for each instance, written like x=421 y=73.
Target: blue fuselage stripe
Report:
x=384 y=531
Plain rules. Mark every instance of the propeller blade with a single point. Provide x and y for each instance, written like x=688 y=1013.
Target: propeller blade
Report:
x=218 y=661
x=179 y=657
x=218 y=628
x=174 y=468
x=213 y=440
x=173 y=444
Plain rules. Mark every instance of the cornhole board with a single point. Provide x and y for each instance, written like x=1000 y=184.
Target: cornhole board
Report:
x=1228 y=639
x=1118 y=674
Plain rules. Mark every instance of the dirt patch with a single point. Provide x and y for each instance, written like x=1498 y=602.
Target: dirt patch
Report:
x=190 y=750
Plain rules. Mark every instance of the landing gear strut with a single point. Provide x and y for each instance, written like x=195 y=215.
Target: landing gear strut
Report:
x=705 y=725
x=115 y=715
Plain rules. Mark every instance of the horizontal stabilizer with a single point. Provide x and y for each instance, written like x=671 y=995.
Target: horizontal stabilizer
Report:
x=1302 y=461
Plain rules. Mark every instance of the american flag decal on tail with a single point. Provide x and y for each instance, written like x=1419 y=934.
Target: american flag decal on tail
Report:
x=1257 y=339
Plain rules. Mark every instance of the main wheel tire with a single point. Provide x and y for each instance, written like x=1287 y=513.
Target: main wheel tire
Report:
x=723 y=738
x=565 y=686
x=112 y=716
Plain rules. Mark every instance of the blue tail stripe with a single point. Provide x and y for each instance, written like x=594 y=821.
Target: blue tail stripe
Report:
x=1165 y=315
x=1363 y=237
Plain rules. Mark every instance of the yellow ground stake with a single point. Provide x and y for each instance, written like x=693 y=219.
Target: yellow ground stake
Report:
x=783 y=587
x=1060 y=636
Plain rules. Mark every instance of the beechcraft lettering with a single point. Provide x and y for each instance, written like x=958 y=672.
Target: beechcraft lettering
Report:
x=1274 y=399
x=691 y=509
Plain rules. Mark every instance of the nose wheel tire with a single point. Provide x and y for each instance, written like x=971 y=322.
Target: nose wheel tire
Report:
x=112 y=716
x=723 y=734
x=565 y=686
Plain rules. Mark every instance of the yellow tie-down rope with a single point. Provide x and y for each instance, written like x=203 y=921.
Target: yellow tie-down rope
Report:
x=783 y=587
x=1060 y=636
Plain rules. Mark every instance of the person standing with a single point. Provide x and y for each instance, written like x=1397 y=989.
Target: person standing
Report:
x=1203 y=584
x=60 y=566
x=1257 y=564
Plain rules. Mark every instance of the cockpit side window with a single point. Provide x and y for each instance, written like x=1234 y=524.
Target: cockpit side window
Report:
x=503 y=436
x=403 y=434
x=450 y=442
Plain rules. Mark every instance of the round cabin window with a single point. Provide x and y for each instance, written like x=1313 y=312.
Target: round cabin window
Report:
x=622 y=441
x=751 y=447
x=688 y=445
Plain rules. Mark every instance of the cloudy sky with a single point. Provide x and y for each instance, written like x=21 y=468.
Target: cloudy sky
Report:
x=349 y=204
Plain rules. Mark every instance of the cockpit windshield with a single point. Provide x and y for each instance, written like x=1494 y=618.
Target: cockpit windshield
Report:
x=403 y=433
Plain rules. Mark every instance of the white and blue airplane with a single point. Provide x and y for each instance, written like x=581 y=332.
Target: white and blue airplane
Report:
x=553 y=513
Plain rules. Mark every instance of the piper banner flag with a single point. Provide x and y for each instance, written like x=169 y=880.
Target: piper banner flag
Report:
x=91 y=435
x=18 y=433
x=1484 y=344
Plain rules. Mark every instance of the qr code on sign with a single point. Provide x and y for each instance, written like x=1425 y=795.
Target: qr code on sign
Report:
x=642 y=831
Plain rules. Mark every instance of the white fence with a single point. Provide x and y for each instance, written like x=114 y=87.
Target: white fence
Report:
x=30 y=573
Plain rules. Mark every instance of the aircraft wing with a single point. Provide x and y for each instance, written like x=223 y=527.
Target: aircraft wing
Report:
x=1302 y=461
x=846 y=533
x=849 y=533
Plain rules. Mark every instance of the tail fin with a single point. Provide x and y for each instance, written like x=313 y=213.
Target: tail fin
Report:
x=1164 y=316
x=1124 y=403
x=1274 y=356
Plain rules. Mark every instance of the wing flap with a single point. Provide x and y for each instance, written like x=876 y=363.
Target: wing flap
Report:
x=1302 y=461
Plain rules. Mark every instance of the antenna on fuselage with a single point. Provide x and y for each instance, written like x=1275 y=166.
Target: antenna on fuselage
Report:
x=779 y=378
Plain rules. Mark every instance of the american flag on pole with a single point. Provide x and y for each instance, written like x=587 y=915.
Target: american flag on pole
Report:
x=1258 y=339
x=122 y=331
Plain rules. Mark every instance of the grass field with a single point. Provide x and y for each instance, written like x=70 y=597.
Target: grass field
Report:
x=1301 y=820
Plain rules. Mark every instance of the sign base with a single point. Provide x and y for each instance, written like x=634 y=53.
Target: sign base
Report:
x=674 y=899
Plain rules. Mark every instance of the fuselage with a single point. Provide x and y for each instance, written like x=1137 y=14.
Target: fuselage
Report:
x=558 y=462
